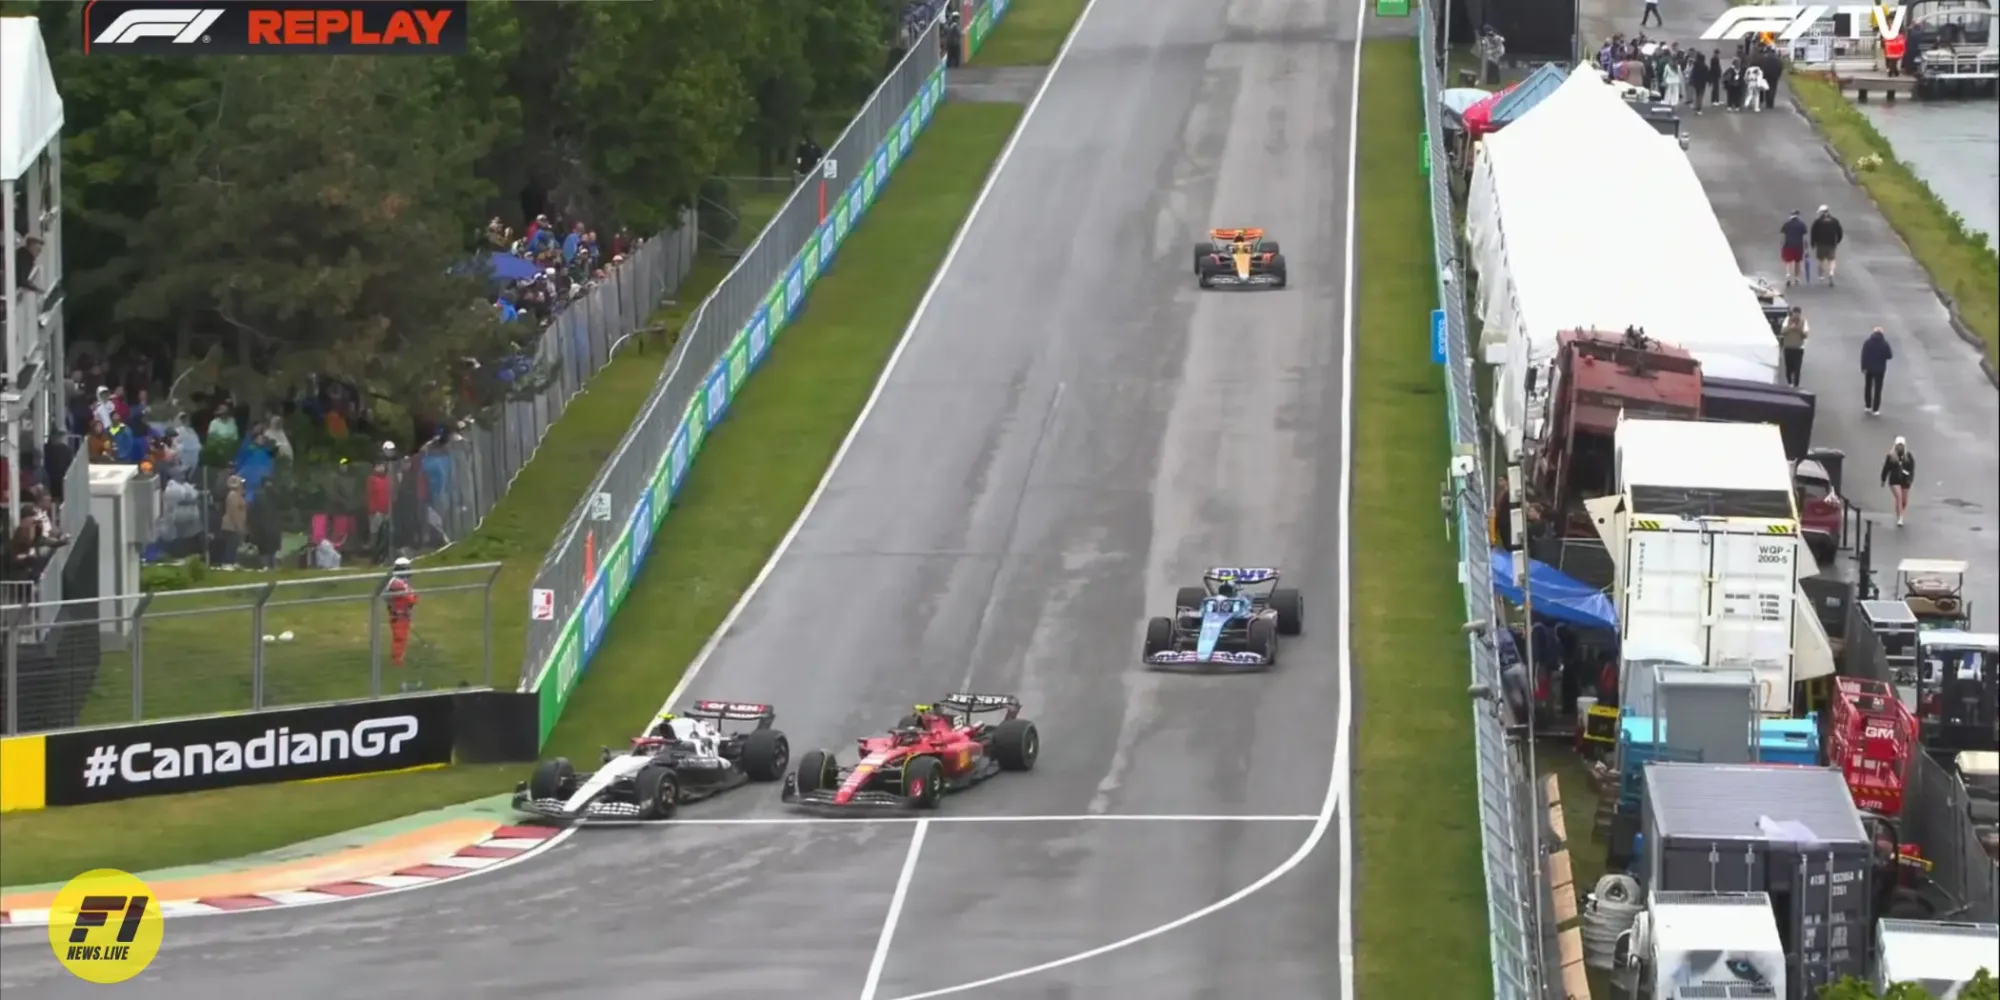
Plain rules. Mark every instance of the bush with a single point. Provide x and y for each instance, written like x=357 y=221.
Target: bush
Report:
x=160 y=578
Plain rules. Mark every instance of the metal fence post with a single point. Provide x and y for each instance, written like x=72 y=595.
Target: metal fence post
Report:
x=486 y=646
x=375 y=635
x=257 y=645
x=138 y=647
x=13 y=668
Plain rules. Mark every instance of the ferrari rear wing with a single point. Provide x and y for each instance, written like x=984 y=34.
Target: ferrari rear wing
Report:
x=735 y=711
x=979 y=704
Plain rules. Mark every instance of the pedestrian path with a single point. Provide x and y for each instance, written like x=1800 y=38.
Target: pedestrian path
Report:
x=1757 y=168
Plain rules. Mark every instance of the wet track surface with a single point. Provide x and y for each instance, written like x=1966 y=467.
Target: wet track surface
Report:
x=1073 y=431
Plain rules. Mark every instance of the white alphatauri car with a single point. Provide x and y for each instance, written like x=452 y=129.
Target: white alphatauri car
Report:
x=683 y=758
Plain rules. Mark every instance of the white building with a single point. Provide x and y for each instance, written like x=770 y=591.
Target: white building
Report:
x=31 y=387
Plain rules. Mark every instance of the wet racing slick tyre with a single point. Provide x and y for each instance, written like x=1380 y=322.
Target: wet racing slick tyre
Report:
x=923 y=782
x=553 y=779
x=1016 y=743
x=1276 y=268
x=1262 y=638
x=1189 y=598
x=1268 y=246
x=659 y=791
x=1291 y=609
x=816 y=772
x=765 y=754
x=1159 y=636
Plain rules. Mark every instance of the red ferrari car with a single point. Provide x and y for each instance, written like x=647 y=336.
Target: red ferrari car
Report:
x=935 y=750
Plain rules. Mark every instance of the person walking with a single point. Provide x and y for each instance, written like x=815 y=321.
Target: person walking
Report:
x=1875 y=357
x=1698 y=81
x=1652 y=11
x=1825 y=235
x=1899 y=470
x=1792 y=244
x=401 y=598
x=1792 y=344
x=1714 y=76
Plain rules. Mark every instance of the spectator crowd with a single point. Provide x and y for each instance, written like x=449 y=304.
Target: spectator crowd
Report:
x=541 y=270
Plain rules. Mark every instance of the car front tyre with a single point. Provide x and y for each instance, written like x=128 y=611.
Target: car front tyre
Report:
x=765 y=754
x=659 y=792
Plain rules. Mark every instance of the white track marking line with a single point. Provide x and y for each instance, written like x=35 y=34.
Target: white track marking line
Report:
x=973 y=820
x=1338 y=781
x=1343 y=760
x=896 y=899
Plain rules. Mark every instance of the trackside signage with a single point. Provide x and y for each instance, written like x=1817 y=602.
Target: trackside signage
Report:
x=273 y=27
x=254 y=748
x=1791 y=23
x=710 y=405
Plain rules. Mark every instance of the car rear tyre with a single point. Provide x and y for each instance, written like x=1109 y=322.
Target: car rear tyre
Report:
x=659 y=792
x=1017 y=743
x=1159 y=636
x=923 y=782
x=1268 y=246
x=815 y=772
x=1262 y=638
x=765 y=754
x=553 y=779
x=1291 y=609
x=1189 y=598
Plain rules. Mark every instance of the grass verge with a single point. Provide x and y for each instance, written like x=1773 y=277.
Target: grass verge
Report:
x=1031 y=35
x=1421 y=891
x=753 y=477
x=1960 y=262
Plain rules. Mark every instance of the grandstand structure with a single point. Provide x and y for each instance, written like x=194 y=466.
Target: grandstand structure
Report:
x=32 y=387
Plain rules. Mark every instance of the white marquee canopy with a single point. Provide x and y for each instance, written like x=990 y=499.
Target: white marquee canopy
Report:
x=1582 y=216
x=31 y=110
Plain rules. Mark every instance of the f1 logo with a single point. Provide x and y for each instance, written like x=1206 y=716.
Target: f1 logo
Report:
x=183 y=26
x=95 y=911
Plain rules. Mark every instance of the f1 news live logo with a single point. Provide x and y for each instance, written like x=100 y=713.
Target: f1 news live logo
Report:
x=273 y=27
x=105 y=926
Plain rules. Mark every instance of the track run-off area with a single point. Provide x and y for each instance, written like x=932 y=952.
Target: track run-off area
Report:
x=1068 y=431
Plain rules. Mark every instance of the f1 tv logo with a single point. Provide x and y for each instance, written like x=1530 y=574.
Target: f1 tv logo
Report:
x=184 y=27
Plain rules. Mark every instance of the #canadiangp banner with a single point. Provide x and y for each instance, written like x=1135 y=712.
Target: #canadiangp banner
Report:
x=621 y=563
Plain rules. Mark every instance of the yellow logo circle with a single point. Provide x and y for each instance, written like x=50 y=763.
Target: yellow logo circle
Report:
x=105 y=926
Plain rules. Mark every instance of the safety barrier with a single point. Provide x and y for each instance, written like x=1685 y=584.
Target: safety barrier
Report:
x=598 y=554
x=1510 y=824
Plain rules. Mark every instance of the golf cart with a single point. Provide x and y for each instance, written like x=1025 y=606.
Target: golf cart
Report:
x=1958 y=677
x=1935 y=591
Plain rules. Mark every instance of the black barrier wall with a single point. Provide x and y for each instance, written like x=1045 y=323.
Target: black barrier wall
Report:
x=255 y=748
x=51 y=688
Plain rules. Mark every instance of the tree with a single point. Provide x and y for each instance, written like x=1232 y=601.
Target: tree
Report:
x=1982 y=987
x=314 y=227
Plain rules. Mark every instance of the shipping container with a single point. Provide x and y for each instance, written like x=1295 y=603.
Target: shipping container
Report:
x=1792 y=832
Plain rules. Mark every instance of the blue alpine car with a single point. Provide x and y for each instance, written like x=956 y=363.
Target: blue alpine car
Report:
x=1231 y=622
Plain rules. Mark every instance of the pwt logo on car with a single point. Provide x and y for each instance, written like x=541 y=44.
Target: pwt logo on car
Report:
x=262 y=27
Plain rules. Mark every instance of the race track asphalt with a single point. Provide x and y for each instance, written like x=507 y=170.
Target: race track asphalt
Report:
x=1073 y=431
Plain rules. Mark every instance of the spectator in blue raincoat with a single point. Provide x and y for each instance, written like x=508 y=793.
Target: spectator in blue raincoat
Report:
x=254 y=462
x=126 y=447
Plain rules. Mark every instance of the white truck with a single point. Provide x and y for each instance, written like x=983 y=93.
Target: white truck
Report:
x=1704 y=532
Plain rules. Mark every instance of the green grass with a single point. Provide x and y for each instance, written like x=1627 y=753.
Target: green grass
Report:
x=1031 y=34
x=753 y=477
x=1960 y=261
x=1421 y=906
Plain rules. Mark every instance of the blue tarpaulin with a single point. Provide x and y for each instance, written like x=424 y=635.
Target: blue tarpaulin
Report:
x=507 y=267
x=1528 y=93
x=1557 y=594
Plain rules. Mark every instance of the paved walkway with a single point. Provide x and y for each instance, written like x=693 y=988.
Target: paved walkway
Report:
x=396 y=855
x=1757 y=168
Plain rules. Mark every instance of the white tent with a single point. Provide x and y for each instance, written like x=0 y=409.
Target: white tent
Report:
x=1582 y=216
x=31 y=111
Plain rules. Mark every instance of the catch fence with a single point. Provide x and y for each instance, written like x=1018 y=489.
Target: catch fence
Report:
x=430 y=498
x=242 y=647
x=771 y=275
x=1510 y=810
